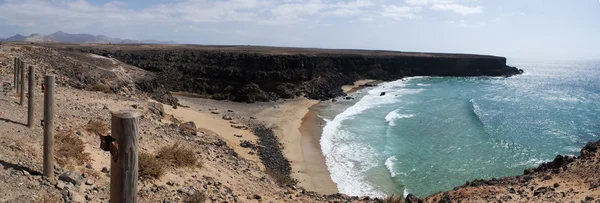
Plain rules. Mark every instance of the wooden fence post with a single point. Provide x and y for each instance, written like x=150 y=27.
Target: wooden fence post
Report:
x=15 y=74
x=124 y=163
x=18 y=72
x=48 y=126
x=22 y=83
x=31 y=97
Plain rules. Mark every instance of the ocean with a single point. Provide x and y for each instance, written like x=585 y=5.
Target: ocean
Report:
x=431 y=134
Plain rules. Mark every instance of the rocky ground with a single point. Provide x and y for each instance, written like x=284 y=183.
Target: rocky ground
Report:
x=221 y=176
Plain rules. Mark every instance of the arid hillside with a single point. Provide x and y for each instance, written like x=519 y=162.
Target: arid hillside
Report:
x=180 y=161
x=227 y=155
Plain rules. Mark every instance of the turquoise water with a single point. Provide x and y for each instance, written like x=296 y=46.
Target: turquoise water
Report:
x=429 y=134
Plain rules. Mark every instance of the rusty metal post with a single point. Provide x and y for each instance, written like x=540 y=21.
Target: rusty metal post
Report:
x=31 y=97
x=48 y=126
x=124 y=151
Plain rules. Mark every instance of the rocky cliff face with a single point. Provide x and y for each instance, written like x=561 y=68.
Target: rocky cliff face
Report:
x=249 y=74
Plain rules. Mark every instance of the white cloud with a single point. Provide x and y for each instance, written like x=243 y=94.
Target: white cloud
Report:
x=293 y=12
x=355 y=4
x=446 y=5
x=428 y=2
x=82 y=15
x=459 y=9
x=345 y=12
x=399 y=12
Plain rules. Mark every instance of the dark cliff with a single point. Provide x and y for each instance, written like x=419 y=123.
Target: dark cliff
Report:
x=248 y=74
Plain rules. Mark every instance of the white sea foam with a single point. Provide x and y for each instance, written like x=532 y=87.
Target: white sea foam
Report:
x=348 y=159
x=394 y=115
x=533 y=162
x=572 y=149
x=564 y=99
x=389 y=164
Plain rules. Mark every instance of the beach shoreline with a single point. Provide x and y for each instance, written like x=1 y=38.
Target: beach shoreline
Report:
x=316 y=173
x=313 y=174
x=295 y=123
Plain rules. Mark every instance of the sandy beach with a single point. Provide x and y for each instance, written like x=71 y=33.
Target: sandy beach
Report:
x=294 y=122
x=287 y=118
x=315 y=170
x=356 y=85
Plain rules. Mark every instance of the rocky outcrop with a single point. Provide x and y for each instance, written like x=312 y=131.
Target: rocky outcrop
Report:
x=564 y=178
x=250 y=74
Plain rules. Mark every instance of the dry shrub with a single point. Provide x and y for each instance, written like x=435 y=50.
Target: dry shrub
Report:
x=154 y=166
x=27 y=48
x=48 y=198
x=70 y=149
x=149 y=166
x=99 y=87
x=281 y=179
x=394 y=199
x=97 y=126
x=197 y=197
x=178 y=156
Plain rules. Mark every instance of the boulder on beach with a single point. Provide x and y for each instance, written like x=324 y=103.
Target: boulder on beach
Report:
x=156 y=108
x=188 y=128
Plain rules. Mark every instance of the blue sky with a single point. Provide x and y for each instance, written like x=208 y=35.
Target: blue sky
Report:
x=530 y=29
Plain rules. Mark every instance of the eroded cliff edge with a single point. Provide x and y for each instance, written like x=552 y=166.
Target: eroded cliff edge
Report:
x=249 y=74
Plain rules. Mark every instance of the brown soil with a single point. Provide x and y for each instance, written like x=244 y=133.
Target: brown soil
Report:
x=224 y=175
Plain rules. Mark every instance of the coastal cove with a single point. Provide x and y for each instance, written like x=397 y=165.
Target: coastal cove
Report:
x=406 y=135
x=432 y=134
x=412 y=146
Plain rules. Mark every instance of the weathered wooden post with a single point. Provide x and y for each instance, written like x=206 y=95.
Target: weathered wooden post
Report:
x=31 y=97
x=124 y=150
x=48 y=126
x=15 y=73
x=22 y=83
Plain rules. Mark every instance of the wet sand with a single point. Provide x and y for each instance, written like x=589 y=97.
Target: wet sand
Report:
x=315 y=168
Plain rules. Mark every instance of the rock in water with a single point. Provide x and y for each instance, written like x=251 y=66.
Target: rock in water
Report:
x=383 y=93
x=71 y=177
